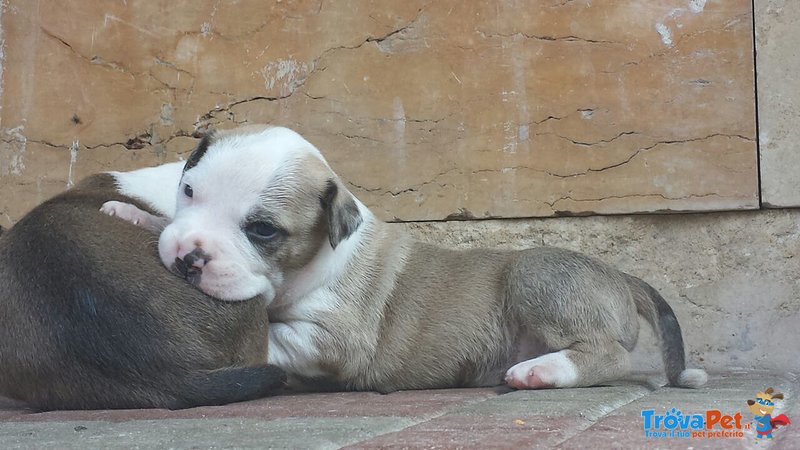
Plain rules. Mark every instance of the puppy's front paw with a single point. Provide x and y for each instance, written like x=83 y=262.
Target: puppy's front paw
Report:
x=125 y=211
x=134 y=215
x=553 y=370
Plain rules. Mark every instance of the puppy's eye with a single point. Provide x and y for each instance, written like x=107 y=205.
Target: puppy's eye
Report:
x=261 y=230
x=187 y=190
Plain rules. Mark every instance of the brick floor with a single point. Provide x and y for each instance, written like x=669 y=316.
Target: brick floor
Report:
x=601 y=417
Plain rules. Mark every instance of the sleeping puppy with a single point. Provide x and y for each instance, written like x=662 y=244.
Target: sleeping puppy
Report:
x=358 y=303
x=90 y=319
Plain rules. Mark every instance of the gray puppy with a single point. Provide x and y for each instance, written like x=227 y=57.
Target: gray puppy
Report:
x=90 y=319
x=358 y=303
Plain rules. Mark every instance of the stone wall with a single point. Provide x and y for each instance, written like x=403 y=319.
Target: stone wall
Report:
x=437 y=110
x=779 y=101
x=429 y=109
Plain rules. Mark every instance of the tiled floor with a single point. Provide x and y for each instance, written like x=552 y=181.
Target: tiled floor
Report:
x=601 y=417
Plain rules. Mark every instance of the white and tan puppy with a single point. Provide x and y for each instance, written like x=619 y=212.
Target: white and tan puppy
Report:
x=358 y=303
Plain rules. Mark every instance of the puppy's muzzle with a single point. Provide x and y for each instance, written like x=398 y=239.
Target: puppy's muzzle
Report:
x=190 y=267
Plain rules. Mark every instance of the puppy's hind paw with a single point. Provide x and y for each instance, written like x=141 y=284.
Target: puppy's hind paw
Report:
x=525 y=378
x=553 y=370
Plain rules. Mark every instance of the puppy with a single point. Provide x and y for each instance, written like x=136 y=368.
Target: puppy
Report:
x=90 y=319
x=358 y=303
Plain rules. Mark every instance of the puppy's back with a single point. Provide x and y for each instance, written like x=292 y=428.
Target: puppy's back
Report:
x=90 y=318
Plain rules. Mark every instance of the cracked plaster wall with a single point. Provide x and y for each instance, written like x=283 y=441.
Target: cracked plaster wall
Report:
x=429 y=109
x=434 y=110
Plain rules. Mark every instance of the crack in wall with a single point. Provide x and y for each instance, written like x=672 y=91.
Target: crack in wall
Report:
x=544 y=37
x=415 y=188
x=25 y=141
x=552 y=205
x=610 y=197
x=300 y=82
x=369 y=39
x=360 y=137
x=94 y=60
x=590 y=144
x=203 y=121
x=119 y=67
x=671 y=49
x=614 y=165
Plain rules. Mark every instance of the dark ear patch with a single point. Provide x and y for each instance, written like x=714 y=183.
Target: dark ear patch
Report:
x=341 y=213
x=198 y=152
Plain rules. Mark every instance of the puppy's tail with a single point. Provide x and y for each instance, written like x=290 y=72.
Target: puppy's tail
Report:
x=229 y=385
x=652 y=306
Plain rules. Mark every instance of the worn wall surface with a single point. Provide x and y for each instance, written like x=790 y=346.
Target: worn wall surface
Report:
x=777 y=33
x=429 y=109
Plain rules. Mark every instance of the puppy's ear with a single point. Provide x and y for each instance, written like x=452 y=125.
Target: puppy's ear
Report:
x=778 y=396
x=199 y=151
x=751 y=402
x=341 y=212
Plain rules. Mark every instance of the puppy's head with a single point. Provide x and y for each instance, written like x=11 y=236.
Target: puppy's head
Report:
x=254 y=204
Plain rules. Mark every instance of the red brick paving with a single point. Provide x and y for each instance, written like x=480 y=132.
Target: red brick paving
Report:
x=603 y=417
x=336 y=404
x=477 y=432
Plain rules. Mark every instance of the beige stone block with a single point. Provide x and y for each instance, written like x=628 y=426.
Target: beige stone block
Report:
x=428 y=110
x=30 y=173
x=778 y=62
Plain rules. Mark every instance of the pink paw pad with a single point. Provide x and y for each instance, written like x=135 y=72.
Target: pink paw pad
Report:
x=529 y=380
x=553 y=370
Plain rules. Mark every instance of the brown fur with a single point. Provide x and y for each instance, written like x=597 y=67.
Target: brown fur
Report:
x=90 y=318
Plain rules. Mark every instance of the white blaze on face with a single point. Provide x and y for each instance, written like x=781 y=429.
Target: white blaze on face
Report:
x=227 y=184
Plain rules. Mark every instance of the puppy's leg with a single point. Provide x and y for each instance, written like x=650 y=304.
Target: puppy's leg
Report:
x=575 y=307
x=293 y=348
x=580 y=365
x=134 y=215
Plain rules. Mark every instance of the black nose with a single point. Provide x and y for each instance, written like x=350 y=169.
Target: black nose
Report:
x=197 y=258
x=191 y=273
x=193 y=276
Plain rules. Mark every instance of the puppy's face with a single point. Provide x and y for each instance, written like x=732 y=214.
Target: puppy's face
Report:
x=252 y=205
